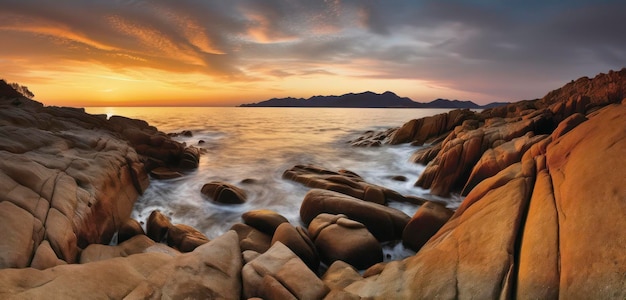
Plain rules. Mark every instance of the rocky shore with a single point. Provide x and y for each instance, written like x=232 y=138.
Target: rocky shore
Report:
x=544 y=180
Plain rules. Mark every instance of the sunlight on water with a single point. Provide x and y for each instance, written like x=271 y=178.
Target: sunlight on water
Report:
x=260 y=144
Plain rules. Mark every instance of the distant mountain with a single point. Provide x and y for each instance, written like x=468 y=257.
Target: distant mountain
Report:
x=366 y=100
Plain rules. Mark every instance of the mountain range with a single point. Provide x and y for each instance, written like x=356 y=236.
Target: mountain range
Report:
x=368 y=100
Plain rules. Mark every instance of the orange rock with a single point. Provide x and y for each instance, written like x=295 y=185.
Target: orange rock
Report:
x=427 y=220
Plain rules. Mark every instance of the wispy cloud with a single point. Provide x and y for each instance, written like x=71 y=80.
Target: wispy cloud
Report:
x=495 y=52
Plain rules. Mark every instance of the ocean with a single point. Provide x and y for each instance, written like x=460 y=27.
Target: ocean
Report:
x=260 y=144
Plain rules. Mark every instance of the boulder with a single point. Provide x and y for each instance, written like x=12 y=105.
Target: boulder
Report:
x=185 y=238
x=157 y=226
x=129 y=229
x=224 y=193
x=264 y=220
x=297 y=240
x=425 y=154
x=385 y=223
x=343 y=181
x=280 y=274
x=251 y=238
x=45 y=257
x=428 y=219
x=339 y=238
x=165 y=173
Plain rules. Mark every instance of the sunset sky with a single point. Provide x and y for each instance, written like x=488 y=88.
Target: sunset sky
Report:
x=224 y=53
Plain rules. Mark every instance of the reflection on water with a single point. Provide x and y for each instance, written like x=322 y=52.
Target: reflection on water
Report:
x=260 y=144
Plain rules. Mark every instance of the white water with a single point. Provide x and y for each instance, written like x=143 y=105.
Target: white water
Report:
x=260 y=144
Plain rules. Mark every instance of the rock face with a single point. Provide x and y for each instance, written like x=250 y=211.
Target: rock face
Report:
x=70 y=179
x=211 y=271
x=518 y=234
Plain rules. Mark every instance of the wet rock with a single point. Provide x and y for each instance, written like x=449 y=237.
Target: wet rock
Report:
x=157 y=226
x=428 y=219
x=426 y=154
x=251 y=238
x=264 y=220
x=129 y=229
x=338 y=238
x=185 y=238
x=280 y=274
x=224 y=193
x=400 y=178
x=345 y=182
x=383 y=222
x=165 y=173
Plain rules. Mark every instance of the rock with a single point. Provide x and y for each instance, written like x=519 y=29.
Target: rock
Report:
x=298 y=241
x=568 y=124
x=587 y=171
x=157 y=226
x=76 y=175
x=280 y=274
x=165 y=173
x=190 y=158
x=45 y=257
x=428 y=219
x=211 y=271
x=338 y=276
x=98 y=252
x=463 y=148
x=426 y=154
x=399 y=178
x=344 y=182
x=129 y=229
x=224 y=193
x=339 y=238
x=264 y=220
x=251 y=238
x=372 y=138
x=383 y=222
x=18 y=242
x=418 y=131
x=498 y=158
x=185 y=238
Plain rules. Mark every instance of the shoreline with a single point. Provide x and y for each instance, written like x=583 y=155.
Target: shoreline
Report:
x=527 y=169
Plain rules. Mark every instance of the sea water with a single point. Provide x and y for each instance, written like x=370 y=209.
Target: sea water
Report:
x=260 y=144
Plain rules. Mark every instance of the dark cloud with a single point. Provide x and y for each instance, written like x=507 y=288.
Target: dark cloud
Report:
x=501 y=51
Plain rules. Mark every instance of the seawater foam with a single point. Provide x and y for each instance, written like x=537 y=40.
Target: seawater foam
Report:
x=260 y=144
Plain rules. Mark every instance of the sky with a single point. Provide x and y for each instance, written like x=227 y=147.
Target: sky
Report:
x=228 y=52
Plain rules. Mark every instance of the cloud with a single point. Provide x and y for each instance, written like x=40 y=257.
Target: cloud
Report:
x=498 y=51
